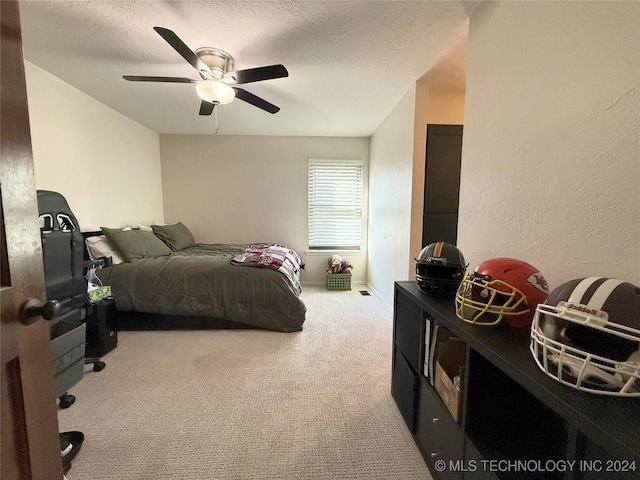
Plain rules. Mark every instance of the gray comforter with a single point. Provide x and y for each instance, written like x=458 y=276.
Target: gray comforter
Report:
x=201 y=281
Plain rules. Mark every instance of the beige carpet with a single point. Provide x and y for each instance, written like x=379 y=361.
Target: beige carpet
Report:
x=249 y=404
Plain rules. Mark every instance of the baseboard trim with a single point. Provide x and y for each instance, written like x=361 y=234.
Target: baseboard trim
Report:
x=316 y=283
x=379 y=297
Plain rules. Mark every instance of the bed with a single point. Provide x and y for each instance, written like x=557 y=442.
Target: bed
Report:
x=161 y=279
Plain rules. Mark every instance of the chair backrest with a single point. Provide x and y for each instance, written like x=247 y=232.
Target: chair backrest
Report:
x=62 y=251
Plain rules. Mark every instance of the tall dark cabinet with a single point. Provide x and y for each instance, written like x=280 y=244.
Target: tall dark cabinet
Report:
x=441 y=183
x=514 y=422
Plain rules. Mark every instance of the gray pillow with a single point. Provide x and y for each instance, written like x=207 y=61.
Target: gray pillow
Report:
x=133 y=244
x=175 y=236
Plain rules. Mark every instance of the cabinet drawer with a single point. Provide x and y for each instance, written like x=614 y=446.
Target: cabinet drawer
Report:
x=409 y=326
x=404 y=389
x=473 y=462
x=438 y=434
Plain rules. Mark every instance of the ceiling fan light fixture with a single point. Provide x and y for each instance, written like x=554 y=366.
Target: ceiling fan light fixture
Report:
x=215 y=91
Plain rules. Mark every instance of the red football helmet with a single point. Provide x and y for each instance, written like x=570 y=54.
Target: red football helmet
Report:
x=501 y=288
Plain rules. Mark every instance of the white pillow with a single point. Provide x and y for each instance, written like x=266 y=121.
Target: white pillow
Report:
x=98 y=246
x=146 y=228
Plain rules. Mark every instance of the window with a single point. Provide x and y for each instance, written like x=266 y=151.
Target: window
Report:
x=335 y=204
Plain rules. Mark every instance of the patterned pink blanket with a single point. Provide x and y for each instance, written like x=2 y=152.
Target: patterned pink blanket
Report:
x=272 y=256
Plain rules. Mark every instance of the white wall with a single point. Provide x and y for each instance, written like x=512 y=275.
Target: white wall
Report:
x=106 y=165
x=551 y=155
x=243 y=189
x=390 y=184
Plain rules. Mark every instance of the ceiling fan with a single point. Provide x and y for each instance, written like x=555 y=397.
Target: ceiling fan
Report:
x=218 y=79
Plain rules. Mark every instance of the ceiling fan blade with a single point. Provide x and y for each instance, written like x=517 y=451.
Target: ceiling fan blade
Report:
x=256 y=101
x=136 y=78
x=206 y=108
x=180 y=47
x=259 y=73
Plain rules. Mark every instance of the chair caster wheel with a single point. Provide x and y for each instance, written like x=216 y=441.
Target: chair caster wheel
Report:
x=98 y=366
x=66 y=400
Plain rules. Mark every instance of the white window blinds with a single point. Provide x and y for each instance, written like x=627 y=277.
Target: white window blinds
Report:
x=335 y=204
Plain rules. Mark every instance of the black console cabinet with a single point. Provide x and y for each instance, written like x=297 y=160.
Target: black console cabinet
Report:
x=516 y=422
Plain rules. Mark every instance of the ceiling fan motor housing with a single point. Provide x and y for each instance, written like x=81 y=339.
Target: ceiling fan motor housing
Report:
x=219 y=61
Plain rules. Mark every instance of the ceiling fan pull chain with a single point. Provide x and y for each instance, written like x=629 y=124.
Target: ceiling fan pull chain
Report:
x=216 y=129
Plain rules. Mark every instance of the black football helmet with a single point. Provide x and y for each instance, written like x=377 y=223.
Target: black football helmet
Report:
x=440 y=268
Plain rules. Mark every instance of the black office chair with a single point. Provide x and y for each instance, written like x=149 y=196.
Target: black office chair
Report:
x=65 y=282
x=66 y=287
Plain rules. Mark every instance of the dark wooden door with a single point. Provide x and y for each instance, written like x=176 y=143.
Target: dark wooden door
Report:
x=30 y=448
x=442 y=184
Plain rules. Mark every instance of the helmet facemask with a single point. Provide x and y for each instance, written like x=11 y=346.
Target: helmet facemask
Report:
x=483 y=301
x=578 y=346
x=438 y=279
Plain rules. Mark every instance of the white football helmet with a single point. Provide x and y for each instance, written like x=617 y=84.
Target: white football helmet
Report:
x=587 y=335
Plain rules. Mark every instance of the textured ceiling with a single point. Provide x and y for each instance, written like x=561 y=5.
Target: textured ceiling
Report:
x=349 y=62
